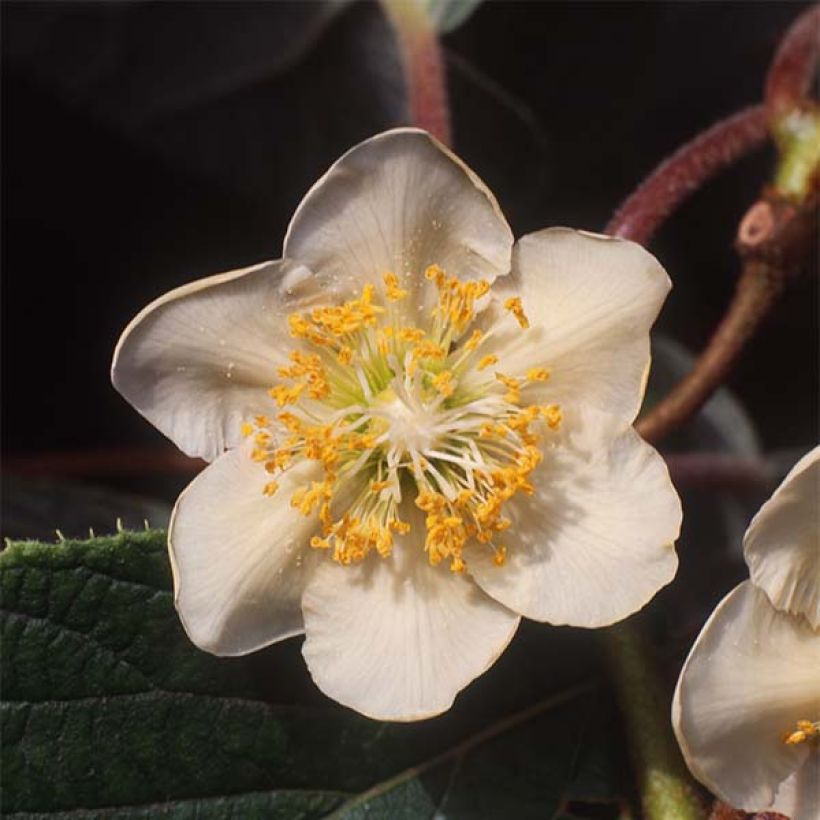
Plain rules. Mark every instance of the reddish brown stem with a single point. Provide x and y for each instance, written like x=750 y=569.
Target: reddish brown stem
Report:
x=756 y=292
x=794 y=64
x=774 y=239
x=719 y=471
x=720 y=811
x=423 y=64
x=113 y=461
x=692 y=165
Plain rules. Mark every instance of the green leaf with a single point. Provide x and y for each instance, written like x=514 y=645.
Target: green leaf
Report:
x=110 y=711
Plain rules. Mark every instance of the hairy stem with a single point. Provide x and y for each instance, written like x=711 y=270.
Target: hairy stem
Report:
x=423 y=63
x=679 y=176
x=664 y=785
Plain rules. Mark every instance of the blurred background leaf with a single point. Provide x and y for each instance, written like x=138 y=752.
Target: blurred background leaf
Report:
x=449 y=14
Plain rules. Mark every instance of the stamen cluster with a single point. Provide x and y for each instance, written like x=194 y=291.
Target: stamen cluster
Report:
x=390 y=410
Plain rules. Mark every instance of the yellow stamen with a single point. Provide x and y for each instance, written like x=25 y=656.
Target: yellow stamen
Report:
x=411 y=334
x=394 y=292
x=490 y=454
x=486 y=361
x=513 y=395
x=805 y=731
x=538 y=374
x=474 y=341
x=287 y=395
x=553 y=416
x=443 y=382
x=428 y=350
x=513 y=304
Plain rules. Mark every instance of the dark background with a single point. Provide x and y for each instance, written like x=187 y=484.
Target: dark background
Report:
x=149 y=144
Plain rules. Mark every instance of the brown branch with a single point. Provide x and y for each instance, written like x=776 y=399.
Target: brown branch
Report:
x=679 y=176
x=774 y=239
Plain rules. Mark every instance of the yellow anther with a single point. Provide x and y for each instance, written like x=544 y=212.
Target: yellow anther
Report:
x=345 y=355
x=538 y=374
x=552 y=415
x=444 y=384
x=246 y=429
x=428 y=350
x=394 y=292
x=298 y=325
x=435 y=273
x=378 y=486
x=500 y=556
x=513 y=304
x=270 y=488
x=306 y=499
x=290 y=422
x=464 y=497
x=486 y=361
x=411 y=334
x=513 y=395
x=806 y=731
x=474 y=341
x=287 y=395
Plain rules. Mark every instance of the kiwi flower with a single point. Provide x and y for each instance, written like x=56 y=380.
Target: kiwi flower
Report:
x=418 y=432
x=747 y=705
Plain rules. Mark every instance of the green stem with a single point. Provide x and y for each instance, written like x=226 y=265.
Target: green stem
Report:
x=663 y=781
x=797 y=134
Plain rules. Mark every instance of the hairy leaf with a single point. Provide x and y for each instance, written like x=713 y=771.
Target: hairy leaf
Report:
x=110 y=712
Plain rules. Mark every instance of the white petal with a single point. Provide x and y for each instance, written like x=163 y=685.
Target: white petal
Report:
x=782 y=544
x=594 y=542
x=196 y=362
x=397 y=639
x=240 y=558
x=751 y=675
x=591 y=301
x=399 y=202
x=798 y=797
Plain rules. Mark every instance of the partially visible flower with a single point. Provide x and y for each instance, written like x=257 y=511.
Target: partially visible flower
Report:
x=782 y=544
x=416 y=456
x=746 y=710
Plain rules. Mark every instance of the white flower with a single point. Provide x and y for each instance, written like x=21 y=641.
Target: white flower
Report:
x=782 y=544
x=423 y=460
x=746 y=710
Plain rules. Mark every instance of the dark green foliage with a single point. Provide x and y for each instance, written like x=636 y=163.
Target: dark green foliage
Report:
x=109 y=711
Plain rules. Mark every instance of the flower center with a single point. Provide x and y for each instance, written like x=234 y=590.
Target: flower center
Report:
x=395 y=412
x=410 y=424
